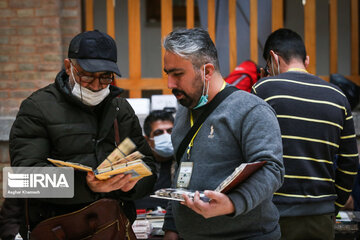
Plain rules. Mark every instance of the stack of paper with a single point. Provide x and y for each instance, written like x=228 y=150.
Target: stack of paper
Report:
x=142 y=229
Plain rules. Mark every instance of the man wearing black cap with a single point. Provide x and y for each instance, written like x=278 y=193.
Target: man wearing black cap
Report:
x=73 y=120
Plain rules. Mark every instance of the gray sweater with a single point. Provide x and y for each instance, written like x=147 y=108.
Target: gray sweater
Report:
x=243 y=128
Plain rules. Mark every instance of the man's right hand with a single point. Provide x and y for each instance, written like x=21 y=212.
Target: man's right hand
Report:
x=170 y=235
x=263 y=73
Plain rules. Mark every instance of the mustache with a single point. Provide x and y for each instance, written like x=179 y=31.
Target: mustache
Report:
x=177 y=91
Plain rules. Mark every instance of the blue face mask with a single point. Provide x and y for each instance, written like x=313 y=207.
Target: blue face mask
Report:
x=204 y=97
x=202 y=101
x=163 y=145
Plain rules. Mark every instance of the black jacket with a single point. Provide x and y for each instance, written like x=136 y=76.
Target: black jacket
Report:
x=53 y=123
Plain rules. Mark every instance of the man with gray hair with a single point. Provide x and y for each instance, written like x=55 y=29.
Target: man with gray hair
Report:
x=241 y=129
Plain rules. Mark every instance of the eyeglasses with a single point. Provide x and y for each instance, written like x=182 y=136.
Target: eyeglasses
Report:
x=106 y=78
x=159 y=132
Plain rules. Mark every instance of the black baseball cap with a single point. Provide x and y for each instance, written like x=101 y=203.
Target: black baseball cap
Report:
x=94 y=51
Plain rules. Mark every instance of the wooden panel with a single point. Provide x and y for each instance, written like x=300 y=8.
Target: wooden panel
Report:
x=353 y=78
x=277 y=13
x=190 y=13
x=310 y=33
x=134 y=46
x=147 y=93
x=326 y=78
x=110 y=17
x=166 y=28
x=254 y=30
x=211 y=19
x=354 y=37
x=232 y=35
x=145 y=83
x=333 y=34
x=89 y=13
x=136 y=85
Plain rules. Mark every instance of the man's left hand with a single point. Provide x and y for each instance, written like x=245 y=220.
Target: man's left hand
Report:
x=220 y=204
x=119 y=182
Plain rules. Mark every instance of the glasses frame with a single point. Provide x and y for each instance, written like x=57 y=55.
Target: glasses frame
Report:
x=267 y=68
x=90 y=79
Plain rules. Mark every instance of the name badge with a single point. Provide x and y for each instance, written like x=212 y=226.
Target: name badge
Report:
x=184 y=174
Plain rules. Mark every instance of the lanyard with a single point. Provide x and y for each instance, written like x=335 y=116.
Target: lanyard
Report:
x=191 y=144
x=297 y=70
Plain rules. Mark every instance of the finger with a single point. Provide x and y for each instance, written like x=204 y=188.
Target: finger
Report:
x=90 y=177
x=90 y=174
x=127 y=187
x=262 y=73
x=196 y=199
x=121 y=182
x=187 y=200
x=213 y=195
x=190 y=204
x=196 y=196
x=199 y=204
x=115 y=179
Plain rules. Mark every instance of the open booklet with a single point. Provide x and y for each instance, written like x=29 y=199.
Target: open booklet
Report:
x=120 y=160
x=239 y=175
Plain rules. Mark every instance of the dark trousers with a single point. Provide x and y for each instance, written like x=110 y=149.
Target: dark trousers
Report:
x=307 y=227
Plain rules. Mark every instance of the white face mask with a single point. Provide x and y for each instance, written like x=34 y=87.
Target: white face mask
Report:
x=163 y=145
x=87 y=96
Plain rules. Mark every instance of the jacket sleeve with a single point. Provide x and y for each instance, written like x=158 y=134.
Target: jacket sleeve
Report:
x=347 y=161
x=129 y=126
x=29 y=144
x=260 y=141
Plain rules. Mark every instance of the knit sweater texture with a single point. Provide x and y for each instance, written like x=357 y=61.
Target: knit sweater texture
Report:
x=243 y=128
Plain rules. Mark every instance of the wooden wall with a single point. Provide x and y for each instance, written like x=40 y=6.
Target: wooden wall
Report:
x=135 y=83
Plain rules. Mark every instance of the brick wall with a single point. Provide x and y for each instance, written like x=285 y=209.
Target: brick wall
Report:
x=34 y=36
x=4 y=162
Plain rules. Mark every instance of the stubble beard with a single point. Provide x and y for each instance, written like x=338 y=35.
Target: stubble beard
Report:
x=188 y=101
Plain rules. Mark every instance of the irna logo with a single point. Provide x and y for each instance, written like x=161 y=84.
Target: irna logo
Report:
x=34 y=180
x=38 y=182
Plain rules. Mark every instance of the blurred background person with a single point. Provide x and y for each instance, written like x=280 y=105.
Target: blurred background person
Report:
x=316 y=125
x=158 y=126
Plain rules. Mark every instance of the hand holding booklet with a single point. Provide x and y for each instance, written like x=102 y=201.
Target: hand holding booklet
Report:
x=239 y=175
x=121 y=160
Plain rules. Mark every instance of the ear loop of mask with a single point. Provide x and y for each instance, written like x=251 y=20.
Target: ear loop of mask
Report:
x=272 y=67
x=207 y=89
x=72 y=74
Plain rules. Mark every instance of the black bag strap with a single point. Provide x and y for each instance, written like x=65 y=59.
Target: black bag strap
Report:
x=209 y=108
x=116 y=132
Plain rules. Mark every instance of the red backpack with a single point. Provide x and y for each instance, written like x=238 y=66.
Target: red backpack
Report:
x=244 y=76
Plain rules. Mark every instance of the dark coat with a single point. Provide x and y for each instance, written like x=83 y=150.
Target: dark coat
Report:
x=10 y=217
x=53 y=123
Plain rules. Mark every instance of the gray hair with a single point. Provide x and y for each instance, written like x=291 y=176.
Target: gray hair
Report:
x=193 y=44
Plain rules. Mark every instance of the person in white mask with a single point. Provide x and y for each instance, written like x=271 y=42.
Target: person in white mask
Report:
x=79 y=118
x=158 y=127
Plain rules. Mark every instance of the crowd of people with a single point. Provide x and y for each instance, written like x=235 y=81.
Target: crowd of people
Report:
x=298 y=124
